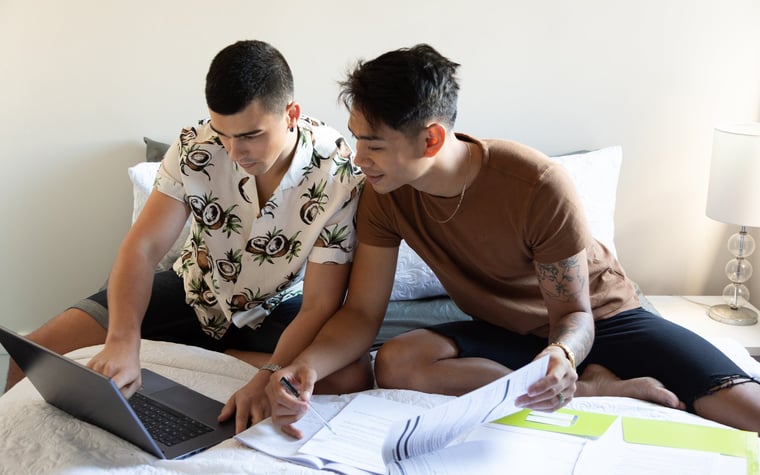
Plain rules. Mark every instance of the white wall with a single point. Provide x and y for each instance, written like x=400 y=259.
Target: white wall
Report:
x=82 y=81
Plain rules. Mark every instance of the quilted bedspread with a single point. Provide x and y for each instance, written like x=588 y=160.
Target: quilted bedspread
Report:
x=37 y=438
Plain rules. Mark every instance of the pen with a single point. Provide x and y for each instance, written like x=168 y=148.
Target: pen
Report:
x=292 y=390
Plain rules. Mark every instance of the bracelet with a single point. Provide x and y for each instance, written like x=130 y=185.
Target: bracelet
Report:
x=568 y=353
x=271 y=367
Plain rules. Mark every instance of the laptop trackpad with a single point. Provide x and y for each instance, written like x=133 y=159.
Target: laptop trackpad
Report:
x=154 y=382
x=180 y=397
x=191 y=403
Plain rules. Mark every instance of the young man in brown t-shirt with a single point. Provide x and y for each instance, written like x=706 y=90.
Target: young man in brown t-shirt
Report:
x=502 y=227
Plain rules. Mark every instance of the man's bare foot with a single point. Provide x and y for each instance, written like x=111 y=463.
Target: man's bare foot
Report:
x=597 y=380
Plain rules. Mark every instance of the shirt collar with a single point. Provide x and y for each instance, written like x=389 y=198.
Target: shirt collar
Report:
x=301 y=159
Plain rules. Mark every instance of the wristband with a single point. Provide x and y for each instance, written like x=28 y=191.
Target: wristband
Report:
x=568 y=353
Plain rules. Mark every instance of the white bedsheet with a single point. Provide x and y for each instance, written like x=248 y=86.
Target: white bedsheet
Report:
x=37 y=438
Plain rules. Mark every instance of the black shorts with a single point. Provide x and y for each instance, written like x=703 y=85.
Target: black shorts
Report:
x=631 y=344
x=170 y=318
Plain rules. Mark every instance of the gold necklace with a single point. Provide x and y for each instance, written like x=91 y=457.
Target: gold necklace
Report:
x=461 y=195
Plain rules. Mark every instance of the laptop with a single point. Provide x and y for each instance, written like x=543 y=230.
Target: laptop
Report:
x=191 y=418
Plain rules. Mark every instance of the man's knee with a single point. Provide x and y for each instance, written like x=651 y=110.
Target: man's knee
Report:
x=390 y=363
x=400 y=359
x=353 y=378
x=70 y=330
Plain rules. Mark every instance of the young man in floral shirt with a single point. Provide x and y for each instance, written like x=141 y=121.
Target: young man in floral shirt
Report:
x=272 y=196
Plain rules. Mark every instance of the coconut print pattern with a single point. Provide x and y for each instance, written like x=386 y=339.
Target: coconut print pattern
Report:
x=195 y=158
x=229 y=267
x=241 y=254
x=209 y=215
x=272 y=246
x=316 y=199
x=246 y=300
x=333 y=237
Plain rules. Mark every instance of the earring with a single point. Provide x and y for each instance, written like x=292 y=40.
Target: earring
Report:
x=291 y=129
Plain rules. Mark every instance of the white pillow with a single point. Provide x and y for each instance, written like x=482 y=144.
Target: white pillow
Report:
x=414 y=279
x=595 y=175
x=143 y=175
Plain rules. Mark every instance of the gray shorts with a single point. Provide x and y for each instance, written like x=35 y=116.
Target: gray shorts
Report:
x=169 y=318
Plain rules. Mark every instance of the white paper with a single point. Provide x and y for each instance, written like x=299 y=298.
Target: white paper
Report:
x=367 y=425
x=360 y=429
x=265 y=437
x=481 y=457
x=437 y=427
x=497 y=449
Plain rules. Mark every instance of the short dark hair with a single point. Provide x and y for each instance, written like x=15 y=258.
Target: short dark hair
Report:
x=404 y=89
x=245 y=71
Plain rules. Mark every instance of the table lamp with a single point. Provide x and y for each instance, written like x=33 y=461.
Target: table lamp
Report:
x=733 y=197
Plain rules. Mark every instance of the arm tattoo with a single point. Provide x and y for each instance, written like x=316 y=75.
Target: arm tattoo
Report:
x=577 y=332
x=562 y=280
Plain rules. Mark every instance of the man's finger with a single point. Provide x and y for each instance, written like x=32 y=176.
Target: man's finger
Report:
x=258 y=413
x=242 y=418
x=131 y=388
x=292 y=431
x=227 y=410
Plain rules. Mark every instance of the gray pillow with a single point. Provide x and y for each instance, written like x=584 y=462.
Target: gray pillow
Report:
x=154 y=150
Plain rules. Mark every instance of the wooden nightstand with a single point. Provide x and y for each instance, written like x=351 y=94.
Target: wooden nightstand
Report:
x=690 y=311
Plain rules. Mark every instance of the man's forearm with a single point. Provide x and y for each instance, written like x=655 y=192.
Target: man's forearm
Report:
x=342 y=340
x=576 y=330
x=129 y=290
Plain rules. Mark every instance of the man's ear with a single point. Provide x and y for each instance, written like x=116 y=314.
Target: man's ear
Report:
x=435 y=137
x=293 y=112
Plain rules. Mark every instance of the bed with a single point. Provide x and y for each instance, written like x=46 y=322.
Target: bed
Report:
x=40 y=439
x=37 y=438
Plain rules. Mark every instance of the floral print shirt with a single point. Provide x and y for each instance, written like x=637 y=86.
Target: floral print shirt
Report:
x=237 y=259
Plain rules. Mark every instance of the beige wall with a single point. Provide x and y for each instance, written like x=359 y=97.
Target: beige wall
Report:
x=82 y=81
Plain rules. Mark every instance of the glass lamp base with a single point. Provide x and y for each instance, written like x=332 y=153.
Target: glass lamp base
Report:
x=739 y=316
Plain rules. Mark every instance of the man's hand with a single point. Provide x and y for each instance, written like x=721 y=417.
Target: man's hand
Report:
x=249 y=404
x=121 y=363
x=556 y=388
x=287 y=409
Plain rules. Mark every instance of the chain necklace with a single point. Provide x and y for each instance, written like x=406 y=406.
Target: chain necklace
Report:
x=461 y=195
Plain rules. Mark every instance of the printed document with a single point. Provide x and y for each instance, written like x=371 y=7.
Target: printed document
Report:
x=376 y=435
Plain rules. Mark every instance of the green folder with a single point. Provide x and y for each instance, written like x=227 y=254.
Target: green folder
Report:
x=586 y=424
x=737 y=443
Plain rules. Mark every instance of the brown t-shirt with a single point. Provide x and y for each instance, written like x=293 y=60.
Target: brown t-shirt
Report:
x=522 y=208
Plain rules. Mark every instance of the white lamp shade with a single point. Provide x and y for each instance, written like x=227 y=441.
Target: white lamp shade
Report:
x=733 y=196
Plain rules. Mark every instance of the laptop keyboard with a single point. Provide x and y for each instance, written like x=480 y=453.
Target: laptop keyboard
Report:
x=165 y=424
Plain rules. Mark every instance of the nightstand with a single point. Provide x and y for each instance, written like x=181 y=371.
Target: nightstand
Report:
x=690 y=311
